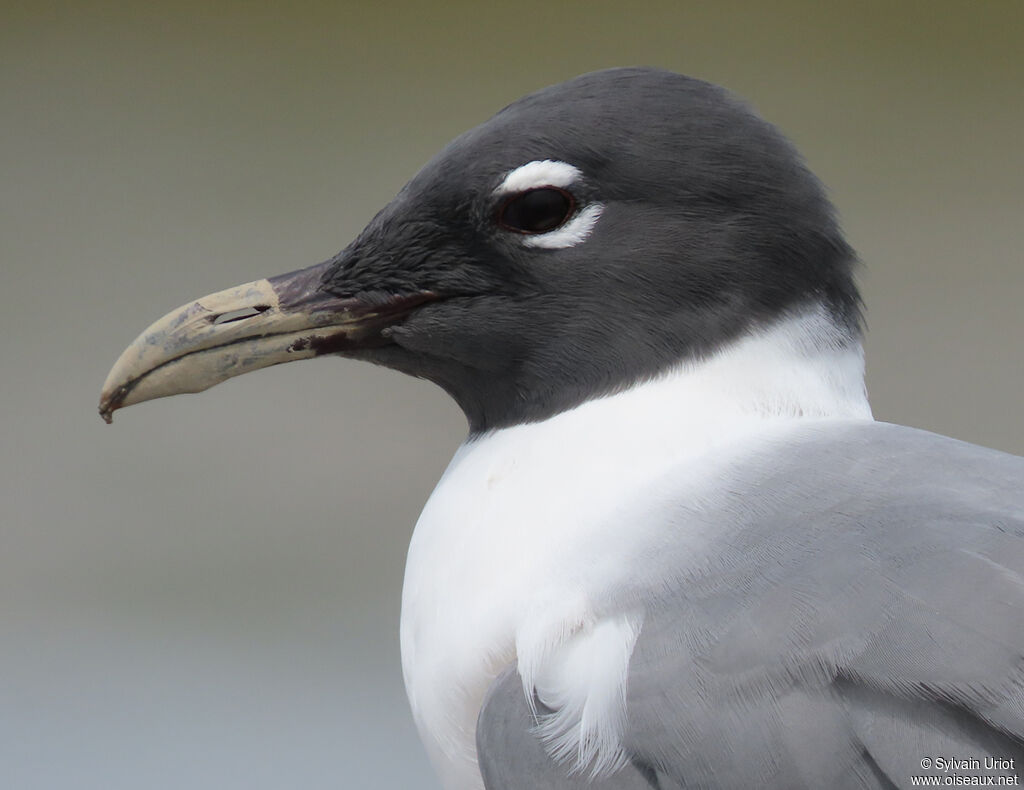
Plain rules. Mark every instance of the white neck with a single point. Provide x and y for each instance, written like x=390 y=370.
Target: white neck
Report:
x=513 y=553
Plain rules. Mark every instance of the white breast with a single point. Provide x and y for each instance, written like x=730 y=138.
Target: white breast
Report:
x=518 y=552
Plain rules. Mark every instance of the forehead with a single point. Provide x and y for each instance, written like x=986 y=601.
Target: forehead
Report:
x=623 y=133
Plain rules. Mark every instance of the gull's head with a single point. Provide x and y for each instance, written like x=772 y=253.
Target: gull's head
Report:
x=590 y=235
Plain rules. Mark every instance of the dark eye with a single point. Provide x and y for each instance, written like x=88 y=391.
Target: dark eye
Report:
x=536 y=210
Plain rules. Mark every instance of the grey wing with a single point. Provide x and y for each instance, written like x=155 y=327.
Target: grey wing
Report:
x=862 y=611
x=866 y=616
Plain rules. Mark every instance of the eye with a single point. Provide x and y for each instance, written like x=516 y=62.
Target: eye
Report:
x=536 y=210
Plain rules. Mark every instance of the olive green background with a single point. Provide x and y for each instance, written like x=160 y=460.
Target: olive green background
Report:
x=206 y=594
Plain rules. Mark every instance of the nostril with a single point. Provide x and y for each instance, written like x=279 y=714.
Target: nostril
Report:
x=240 y=314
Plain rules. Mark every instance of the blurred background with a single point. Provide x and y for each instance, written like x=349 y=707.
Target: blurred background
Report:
x=158 y=626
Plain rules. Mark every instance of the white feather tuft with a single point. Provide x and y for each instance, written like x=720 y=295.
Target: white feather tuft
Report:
x=541 y=634
x=584 y=684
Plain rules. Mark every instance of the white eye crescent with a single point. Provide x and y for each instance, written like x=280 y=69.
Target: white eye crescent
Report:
x=539 y=205
x=539 y=173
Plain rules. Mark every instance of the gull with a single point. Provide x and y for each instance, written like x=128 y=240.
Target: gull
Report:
x=675 y=549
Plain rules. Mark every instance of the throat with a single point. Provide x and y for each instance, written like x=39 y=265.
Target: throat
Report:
x=519 y=545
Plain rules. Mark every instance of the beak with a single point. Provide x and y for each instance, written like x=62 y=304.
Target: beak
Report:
x=251 y=326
